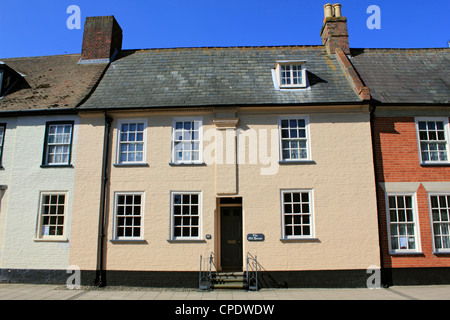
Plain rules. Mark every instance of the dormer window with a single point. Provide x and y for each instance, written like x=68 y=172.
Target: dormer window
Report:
x=1 y=81
x=8 y=79
x=291 y=74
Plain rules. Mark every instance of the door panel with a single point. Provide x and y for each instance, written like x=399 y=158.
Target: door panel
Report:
x=231 y=237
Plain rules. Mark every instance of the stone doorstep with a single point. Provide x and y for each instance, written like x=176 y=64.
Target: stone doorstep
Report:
x=229 y=280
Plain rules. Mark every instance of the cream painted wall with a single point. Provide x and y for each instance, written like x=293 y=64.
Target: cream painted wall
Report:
x=341 y=177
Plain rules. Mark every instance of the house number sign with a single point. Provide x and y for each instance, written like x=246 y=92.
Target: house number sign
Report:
x=255 y=237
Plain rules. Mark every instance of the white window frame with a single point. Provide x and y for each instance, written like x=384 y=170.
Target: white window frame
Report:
x=447 y=139
x=311 y=214
x=119 y=141
x=291 y=64
x=116 y=216
x=437 y=194
x=172 y=216
x=416 y=223
x=307 y=137
x=40 y=235
x=200 y=140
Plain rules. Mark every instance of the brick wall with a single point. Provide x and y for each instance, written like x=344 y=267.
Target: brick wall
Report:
x=102 y=37
x=397 y=160
x=334 y=35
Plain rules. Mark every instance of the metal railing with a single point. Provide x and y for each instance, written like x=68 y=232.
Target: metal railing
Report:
x=252 y=272
x=205 y=275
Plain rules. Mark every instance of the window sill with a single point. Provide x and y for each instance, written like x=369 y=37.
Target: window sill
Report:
x=50 y=240
x=186 y=241
x=119 y=165
x=181 y=164
x=297 y=162
x=300 y=240
x=413 y=253
x=56 y=166
x=129 y=241
x=437 y=253
x=435 y=164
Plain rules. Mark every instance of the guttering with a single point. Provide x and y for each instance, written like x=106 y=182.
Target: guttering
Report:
x=101 y=272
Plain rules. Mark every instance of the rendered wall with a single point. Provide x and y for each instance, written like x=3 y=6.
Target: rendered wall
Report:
x=26 y=179
x=342 y=179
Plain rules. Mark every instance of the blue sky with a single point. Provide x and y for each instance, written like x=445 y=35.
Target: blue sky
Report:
x=35 y=28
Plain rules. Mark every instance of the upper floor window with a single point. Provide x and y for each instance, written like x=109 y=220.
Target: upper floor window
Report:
x=294 y=144
x=2 y=139
x=187 y=140
x=291 y=74
x=58 y=143
x=433 y=140
x=131 y=142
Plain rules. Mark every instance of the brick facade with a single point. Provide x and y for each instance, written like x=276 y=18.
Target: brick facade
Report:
x=397 y=160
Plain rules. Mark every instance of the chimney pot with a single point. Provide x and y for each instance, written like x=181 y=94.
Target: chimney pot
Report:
x=337 y=10
x=328 y=10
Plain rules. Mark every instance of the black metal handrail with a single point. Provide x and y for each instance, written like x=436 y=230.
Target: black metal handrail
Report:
x=205 y=274
x=252 y=272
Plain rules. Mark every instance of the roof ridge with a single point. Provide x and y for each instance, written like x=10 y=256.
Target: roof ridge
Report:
x=222 y=47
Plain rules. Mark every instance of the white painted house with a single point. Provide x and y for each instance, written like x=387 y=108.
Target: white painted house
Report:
x=38 y=138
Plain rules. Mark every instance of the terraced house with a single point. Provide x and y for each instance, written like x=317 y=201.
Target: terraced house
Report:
x=190 y=166
x=228 y=154
x=38 y=152
x=410 y=103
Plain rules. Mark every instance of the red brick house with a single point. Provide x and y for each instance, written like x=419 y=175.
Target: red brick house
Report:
x=410 y=124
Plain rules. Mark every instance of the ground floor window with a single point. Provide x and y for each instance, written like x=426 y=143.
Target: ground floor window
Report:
x=297 y=214
x=440 y=212
x=402 y=223
x=51 y=215
x=186 y=214
x=128 y=216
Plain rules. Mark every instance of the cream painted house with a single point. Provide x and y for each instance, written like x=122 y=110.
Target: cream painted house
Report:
x=193 y=159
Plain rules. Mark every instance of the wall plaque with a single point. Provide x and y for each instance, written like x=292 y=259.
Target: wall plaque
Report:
x=255 y=237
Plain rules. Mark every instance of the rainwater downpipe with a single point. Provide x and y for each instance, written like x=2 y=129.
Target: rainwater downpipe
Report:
x=101 y=273
x=384 y=279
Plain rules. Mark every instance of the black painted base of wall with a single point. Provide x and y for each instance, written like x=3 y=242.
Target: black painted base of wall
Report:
x=415 y=276
x=33 y=276
x=266 y=279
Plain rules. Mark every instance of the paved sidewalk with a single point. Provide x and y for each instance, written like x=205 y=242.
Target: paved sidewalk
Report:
x=56 y=292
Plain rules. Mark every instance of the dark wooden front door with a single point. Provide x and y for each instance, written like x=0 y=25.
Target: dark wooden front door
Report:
x=231 y=238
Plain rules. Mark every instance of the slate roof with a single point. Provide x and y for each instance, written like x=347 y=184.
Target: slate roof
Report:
x=50 y=82
x=184 y=77
x=399 y=76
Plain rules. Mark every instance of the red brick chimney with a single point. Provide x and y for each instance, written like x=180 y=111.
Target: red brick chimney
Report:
x=334 y=31
x=102 y=39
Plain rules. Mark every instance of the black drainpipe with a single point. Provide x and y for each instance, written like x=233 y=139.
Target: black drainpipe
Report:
x=101 y=273
x=384 y=278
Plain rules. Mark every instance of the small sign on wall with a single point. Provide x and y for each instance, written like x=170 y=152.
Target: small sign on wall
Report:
x=255 y=237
